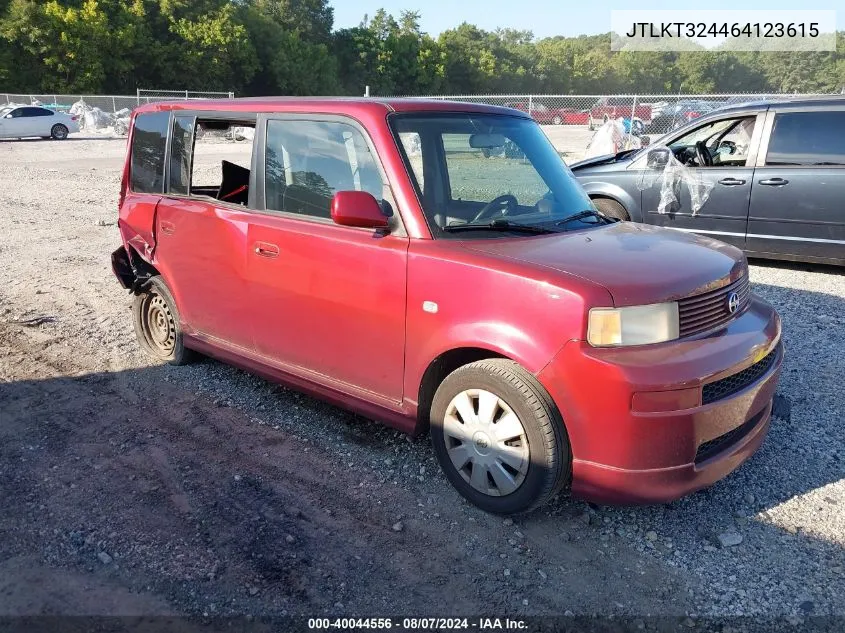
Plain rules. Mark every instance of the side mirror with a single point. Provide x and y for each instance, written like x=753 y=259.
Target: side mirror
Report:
x=657 y=157
x=358 y=208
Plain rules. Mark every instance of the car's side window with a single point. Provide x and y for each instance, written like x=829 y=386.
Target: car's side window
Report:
x=807 y=138
x=19 y=113
x=307 y=162
x=724 y=143
x=196 y=168
x=149 y=140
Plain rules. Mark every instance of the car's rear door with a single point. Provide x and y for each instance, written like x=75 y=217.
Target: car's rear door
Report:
x=798 y=197
x=327 y=301
x=711 y=200
x=201 y=242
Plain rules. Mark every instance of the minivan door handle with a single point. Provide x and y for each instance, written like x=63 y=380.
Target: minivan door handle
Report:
x=731 y=182
x=265 y=249
x=774 y=182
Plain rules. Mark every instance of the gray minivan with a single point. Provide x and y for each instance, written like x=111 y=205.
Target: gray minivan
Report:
x=775 y=172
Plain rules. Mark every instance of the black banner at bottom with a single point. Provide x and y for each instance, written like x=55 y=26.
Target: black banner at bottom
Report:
x=403 y=624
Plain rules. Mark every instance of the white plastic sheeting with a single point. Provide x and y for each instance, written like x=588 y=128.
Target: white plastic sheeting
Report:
x=672 y=177
x=610 y=138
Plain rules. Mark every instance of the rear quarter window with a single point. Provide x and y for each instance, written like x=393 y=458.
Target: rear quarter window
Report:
x=148 y=147
x=808 y=138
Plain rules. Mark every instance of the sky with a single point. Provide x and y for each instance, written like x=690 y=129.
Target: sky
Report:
x=544 y=17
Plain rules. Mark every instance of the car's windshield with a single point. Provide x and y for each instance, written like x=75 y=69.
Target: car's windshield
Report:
x=483 y=169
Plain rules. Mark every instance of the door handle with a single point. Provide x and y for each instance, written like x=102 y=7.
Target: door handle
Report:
x=168 y=228
x=265 y=249
x=731 y=182
x=774 y=182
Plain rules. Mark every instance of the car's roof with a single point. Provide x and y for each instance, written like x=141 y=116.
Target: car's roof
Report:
x=330 y=105
x=786 y=103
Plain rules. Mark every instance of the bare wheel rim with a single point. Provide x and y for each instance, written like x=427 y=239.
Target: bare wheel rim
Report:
x=159 y=324
x=486 y=442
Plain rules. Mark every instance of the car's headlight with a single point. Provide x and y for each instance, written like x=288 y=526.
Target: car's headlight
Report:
x=635 y=325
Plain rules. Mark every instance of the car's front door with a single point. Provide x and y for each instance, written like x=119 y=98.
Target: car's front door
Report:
x=327 y=301
x=711 y=199
x=19 y=123
x=798 y=198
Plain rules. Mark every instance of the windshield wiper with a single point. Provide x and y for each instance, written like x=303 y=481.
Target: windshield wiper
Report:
x=586 y=213
x=499 y=225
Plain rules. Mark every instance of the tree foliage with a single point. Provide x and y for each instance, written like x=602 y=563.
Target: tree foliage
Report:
x=290 y=47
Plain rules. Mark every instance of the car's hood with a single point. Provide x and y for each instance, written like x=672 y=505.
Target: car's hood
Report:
x=607 y=159
x=638 y=264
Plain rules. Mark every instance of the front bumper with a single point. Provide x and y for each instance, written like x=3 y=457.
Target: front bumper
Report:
x=665 y=442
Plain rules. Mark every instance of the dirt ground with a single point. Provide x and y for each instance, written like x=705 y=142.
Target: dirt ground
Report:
x=129 y=488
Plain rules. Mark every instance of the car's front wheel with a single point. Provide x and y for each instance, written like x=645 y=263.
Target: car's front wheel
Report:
x=498 y=437
x=59 y=132
x=557 y=120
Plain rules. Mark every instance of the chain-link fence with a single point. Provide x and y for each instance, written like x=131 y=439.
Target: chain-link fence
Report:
x=167 y=95
x=570 y=120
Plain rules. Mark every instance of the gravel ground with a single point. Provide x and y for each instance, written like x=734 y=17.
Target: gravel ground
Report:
x=135 y=488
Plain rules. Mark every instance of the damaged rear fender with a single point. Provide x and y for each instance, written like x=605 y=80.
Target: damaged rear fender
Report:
x=131 y=270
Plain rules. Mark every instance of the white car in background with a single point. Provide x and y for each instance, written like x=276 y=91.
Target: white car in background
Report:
x=25 y=121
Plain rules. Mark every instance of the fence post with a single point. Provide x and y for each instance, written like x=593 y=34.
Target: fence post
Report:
x=138 y=95
x=530 y=104
x=113 y=105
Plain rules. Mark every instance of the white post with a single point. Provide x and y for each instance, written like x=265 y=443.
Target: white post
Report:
x=186 y=94
x=113 y=105
x=138 y=95
x=366 y=91
x=530 y=104
x=631 y=128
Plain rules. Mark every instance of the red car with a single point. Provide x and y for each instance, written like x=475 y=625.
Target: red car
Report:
x=385 y=256
x=608 y=108
x=550 y=116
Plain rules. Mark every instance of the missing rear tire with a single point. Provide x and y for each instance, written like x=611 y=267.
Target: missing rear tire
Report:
x=157 y=326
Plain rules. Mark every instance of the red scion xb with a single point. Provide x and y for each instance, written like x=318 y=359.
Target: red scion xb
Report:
x=436 y=266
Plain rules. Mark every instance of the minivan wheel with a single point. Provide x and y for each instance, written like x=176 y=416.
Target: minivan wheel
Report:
x=59 y=132
x=498 y=437
x=157 y=326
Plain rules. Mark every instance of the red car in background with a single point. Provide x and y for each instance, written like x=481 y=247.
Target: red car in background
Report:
x=608 y=108
x=386 y=256
x=545 y=115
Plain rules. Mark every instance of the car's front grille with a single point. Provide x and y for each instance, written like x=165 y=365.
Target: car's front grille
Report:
x=737 y=382
x=734 y=436
x=710 y=310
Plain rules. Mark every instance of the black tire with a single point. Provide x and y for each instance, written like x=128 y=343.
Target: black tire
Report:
x=59 y=132
x=549 y=454
x=157 y=324
x=611 y=209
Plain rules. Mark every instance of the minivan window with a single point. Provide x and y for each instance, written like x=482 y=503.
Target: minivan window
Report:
x=307 y=162
x=148 y=147
x=496 y=168
x=807 y=138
